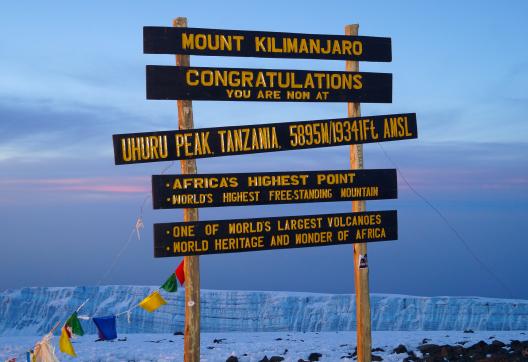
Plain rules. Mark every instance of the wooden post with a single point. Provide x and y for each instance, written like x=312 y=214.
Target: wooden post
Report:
x=191 y=344
x=361 y=279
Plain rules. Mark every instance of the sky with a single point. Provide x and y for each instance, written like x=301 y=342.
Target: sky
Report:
x=73 y=73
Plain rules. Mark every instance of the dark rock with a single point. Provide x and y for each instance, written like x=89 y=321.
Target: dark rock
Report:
x=469 y=331
x=462 y=343
x=411 y=359
x=349 y=356
x=525 y=352
x=376 y=358
x=495 y=348
x=514 y=342
x=278 y=339
x=343 y=345
x=210 y=347
x=232 y=359
x=378 y=350
x=480 y=347
x=285 y=351
x=446 y=352
x=458 y=352
x=400 y=349
x=301 y=360
x=426 y=340
x=265 y=359
x=432 y=349
x=491 y=337
x=502 y=358
x=218 y=340
x=314 y=356
x=276 y=359
x=498 y=343
x=178 y=333
x=516 y=345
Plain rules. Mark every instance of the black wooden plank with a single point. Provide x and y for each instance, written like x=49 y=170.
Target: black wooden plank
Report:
x=239 y=189
x=272 y=137
x=270 y=85
x=240 y=235
x=264 y=44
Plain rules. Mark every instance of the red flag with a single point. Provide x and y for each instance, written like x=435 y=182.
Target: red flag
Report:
x=180 y=274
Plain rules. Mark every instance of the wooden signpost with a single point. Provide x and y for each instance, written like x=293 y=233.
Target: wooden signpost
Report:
x=190 y=190
x=191 y=267
x=238 y=189
x=361 y=277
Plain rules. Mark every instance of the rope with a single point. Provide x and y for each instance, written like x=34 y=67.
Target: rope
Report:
x=118 y=255
x=458 y=235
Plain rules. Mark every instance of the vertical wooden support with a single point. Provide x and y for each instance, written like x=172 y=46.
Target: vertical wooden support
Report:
x=191 y=348
x=361 y=276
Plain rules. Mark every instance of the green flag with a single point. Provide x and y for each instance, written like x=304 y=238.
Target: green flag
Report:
x=171 y=285
x=75 y=325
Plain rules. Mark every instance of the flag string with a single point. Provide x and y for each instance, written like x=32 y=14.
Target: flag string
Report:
x=457 y=234
x=138 y=227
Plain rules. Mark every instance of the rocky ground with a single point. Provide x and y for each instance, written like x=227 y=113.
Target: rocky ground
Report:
x=515 y=351
x=285 y=346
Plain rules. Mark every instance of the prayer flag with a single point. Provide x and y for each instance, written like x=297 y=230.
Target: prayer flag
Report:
x=171 y=285
x=74 y=325
x=44 y=351
x=106 y=327
x=65 y=344
x=180 y=273
x=152 y=302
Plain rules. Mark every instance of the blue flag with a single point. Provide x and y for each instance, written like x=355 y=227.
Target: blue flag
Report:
x=106 y=327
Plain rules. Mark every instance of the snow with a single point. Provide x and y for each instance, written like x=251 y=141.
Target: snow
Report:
x=332 y=345
x=33 y=311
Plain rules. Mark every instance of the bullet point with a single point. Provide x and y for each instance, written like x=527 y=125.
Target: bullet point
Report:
x=168 y=199
x=167 y=185
x=168 y=232
x=168 y=248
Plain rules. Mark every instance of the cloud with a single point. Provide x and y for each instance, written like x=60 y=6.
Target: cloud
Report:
x=438 y=171
x=71 y=190
x=99 y=184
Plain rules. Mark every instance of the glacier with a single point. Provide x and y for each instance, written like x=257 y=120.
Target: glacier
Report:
x=35 y=310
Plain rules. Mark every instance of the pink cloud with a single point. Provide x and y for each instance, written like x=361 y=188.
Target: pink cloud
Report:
x=121 y=185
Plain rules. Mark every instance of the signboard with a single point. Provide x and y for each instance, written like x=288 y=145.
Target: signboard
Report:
x=237 y=189
x=272 y=137
x=264 y=44
x=242 y=84
x=235 y=236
